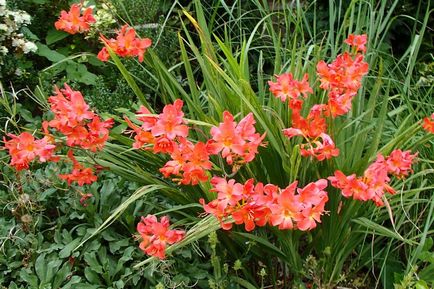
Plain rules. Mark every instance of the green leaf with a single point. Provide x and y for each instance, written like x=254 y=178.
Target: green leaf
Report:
x=115 y=246
x=421 y=284
x=91 y=276
x=41 y=268
x=92 y=261
x=45 y=194
x=52 y=268
x=381 y=230
x=27 y=115
x=29 y=34
x=244 y=283
x=74 y=280
x=427 y=273
x=79 y=72
x=61 y=275
x=55 y=35
x=262 y=241
x=119 y=284
x=66 y=252
x=118 y=129
x=130 y=80
x=29 y=278
x=51 y=55
x=125 y=257
x=137 y=195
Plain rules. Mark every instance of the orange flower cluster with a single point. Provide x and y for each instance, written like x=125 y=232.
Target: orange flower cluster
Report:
x=357 y=41
x=286 y=87
x=238 y=143
x=73 y=118
x=374 y=183
x=189 y=163
x=256 y=205
x=24 y=148
x=126 y=44
x=428 y=124
x=82 y=128
x=156 y=235
x=313 y=129
x=73 y=22
x=79 y=174
x=342 y=78
x=167 y=133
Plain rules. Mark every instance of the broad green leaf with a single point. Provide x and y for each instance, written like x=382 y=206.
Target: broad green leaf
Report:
x=30 y=278
x=41 y=268
x=54 y=36
x=427 y=274
x=61 y=275
x=92 y=262
x=66 y=251
x=91 y=276
x=51 y=55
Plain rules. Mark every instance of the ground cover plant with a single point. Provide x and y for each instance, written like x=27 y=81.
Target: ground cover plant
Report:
x=318 y=156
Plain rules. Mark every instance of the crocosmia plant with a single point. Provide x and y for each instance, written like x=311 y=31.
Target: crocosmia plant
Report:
x=288 y=160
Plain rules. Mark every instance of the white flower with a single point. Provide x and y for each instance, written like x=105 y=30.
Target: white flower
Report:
x=29 y=47
x=18 y=42
x=3 y=27
x=26 y=18
x=20 y=17
x=2 y=2
x=3 y=49
x=18 y=72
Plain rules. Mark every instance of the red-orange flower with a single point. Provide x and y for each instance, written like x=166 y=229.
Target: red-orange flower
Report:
x=196 y=166
x=256 y=205
x=24 y=148
x=73 y=22
x=79 y=173
x=148 y=121
x=317 y=143
x=357 y=41
x=84 y=198
x=170 y=122
x=399 y=163
x=228 y=192
x=156 y=235
x=73 y=118
x=189 y=163
x=351 y=186
x=287 y=87
x=237 y=142
x=301 y=211
x=286 y=209
x=310 y=216
x=375 y=180
x=428 y=124
x=342 y=79
x=142 y=137
x=126 y=44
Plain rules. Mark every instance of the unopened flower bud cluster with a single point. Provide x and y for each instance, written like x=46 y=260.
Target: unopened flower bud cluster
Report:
x=104 y=18
x=10 y=37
